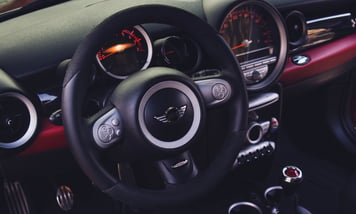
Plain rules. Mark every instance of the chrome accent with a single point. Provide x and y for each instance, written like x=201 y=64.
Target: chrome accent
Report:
x=275 y=210
x=164 y=119
x=46 y=98
x=104 y=132
x=180 y=164
x=149 y=54
x=31 y=127
x=274 y=124
x=219 y=91
x=256 y=63
x=289 y=179
x=262 y=100
x=252 y=149
x=196 y=118
x=245 y=203
x=260 y=133
x=301 y=59
x=115 y=122
x=65 y=198
x=210 y=95
x=15 y=198
x=256 y=147
x=271 y=189
x=265 y=126
x=269 y=48
x=256 y=74
x=343 y=15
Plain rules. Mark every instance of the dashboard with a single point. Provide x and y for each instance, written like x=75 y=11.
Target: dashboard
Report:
x=270 y=40
x=275 y=42
x=176 y=82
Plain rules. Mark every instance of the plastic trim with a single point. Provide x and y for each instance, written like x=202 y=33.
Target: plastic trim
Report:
x=32 y=126
x=343 y=15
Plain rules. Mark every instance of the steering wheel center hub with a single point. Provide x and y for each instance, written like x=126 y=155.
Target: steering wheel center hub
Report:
x=169 y=114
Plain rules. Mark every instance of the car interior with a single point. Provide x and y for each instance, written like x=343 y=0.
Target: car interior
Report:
x=180 y=106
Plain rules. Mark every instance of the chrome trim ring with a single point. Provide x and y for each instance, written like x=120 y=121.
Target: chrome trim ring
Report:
x=31 y=127
x=245 y=203
x=271 y=189
x=294 y=179
x=148 y=59
x=196 y=112
x=260 y=133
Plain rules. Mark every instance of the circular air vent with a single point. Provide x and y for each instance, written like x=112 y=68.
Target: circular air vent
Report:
x=296 y=27
x=18 y=120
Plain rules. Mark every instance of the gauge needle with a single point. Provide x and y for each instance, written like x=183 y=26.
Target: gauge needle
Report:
x=169 y=52
x=117 y=48
x=238 y=46
x=245 y=43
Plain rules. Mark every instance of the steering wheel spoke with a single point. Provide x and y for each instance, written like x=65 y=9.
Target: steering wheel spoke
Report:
x=178 y=169
x=216 y=90
x=106 y=127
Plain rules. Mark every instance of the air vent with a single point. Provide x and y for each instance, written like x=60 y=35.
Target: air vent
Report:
x=296 y=26
x=18 y=120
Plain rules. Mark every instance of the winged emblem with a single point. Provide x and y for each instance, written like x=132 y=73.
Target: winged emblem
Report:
x=172 y=114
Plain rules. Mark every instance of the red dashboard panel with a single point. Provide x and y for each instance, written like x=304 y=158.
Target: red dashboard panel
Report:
x=50 y=137
x=323 y=58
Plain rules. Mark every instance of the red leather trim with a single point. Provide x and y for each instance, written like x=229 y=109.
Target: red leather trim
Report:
x=50 y=137
x=323 y=58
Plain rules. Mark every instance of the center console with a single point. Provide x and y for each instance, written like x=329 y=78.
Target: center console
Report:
x=262 y=133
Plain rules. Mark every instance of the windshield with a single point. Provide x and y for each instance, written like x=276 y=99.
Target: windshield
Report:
x=8 y=5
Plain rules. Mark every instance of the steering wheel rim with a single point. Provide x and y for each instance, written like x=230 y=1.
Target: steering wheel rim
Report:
x=77 y=81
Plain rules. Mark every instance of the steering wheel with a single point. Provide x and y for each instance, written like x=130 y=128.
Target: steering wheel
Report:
x=155 y=114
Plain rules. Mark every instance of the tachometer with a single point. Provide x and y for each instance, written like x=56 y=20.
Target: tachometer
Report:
x=129 y=51
x=256 y=34
x=180 y=53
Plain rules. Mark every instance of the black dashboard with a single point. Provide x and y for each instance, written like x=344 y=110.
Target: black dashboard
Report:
x=264 y=36
x=279 y=44
x=49 y=41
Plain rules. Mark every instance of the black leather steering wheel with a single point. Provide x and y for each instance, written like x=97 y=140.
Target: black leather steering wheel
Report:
x=154 y=114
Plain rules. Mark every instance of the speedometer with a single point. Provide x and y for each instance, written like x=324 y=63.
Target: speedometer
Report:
x=130 y=50
x=248 y=33
x=256 y=34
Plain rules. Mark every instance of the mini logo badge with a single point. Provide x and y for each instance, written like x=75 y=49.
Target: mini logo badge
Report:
x=301 y=60
x=172 y=114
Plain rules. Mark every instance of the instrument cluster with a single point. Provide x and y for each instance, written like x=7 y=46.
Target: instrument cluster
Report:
x=132 y=50
x=253 y=29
